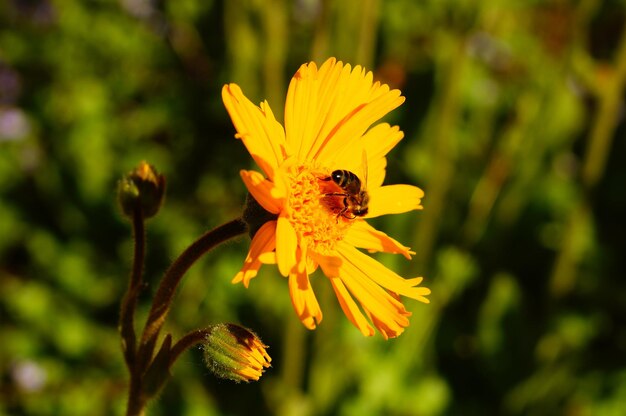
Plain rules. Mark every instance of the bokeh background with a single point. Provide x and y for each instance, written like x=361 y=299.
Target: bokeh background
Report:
x=514 y=127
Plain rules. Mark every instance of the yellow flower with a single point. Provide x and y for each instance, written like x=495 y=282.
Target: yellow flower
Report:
x=328 y=114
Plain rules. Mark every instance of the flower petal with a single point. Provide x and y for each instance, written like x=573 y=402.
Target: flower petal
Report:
x=381 y=275
x=303 y=299
x=357 y=121
x=374 y=145
x=386 y=312
x=386 y=330
x=330 y=264
x=363 y=235
x=262 y=135
x=380 y=139
x=286 y=246
x=265 y=192
x=377 y=142
x=264 y=241
x=314 y=104
x=350 y=308
x=268 y=258
x=394 y=199
x=334 y=104
x=301 y=112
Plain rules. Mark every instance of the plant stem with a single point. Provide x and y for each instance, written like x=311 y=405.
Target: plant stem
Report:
x=189 y=340
x=139 y=363
x=127 y=315
x=136 y=400
x=129 y=302
x=165 y=292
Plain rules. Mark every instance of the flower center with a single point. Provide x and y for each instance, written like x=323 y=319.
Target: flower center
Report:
x=314 y=215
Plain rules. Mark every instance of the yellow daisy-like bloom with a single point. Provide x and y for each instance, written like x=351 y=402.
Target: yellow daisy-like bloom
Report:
x=328 y=114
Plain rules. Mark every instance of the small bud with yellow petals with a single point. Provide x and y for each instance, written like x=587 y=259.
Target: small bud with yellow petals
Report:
x=235 y=353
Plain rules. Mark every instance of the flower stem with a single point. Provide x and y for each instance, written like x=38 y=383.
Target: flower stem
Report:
x=136 y=401
x=129 y=302
x=189 y=340
x=165 y=292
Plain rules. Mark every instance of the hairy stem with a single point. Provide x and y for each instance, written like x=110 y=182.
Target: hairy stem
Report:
x=129 y=302
x=189 y=340
x=136 y=401
x=165 y=292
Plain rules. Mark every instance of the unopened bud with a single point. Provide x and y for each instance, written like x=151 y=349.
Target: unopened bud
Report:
x=235 y=353
x=143 y=188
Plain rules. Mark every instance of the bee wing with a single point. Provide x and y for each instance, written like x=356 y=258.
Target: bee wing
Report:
x=365 y=169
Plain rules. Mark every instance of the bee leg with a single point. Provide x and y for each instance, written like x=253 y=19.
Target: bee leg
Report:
x=344 y=213
x=344 y=210
x=341 y=213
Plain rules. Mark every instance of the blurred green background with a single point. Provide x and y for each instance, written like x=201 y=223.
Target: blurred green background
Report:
x=514 y=127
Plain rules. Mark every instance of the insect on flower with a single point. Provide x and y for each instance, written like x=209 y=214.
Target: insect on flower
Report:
x=311 y=178
x=355 y=195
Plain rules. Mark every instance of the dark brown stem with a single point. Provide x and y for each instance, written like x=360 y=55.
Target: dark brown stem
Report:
x=129 y=303
x=136 y=401
x=189 y=340
x=165 y=292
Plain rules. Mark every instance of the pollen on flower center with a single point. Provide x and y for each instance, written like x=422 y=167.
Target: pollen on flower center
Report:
x=312 y=214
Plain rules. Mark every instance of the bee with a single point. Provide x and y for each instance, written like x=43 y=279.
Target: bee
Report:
x=355 y=196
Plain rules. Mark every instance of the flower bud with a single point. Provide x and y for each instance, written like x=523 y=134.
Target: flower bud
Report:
x=142 y=188
x=235 y=353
